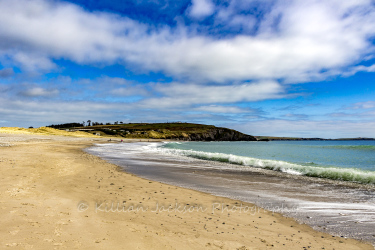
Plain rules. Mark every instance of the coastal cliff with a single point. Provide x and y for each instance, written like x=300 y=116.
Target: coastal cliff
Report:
x=219 y=134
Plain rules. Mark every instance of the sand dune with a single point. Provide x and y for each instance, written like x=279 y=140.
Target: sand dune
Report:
x=44 y=131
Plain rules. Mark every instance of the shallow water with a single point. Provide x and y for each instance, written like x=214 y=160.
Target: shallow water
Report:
x=340 y=208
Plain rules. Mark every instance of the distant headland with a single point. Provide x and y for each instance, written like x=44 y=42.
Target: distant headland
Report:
x=174 y=131
x=275 y=138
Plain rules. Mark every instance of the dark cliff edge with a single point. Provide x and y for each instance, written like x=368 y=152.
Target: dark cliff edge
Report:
x=219 y=134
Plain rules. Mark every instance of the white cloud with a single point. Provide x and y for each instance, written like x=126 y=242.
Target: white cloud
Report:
x=363 y=105
x=4 y=73
x=61 y=30
x=233 y=15
x=244 y=22
x=359 y=68
x=296 y=116
x=201 y=8
x=296 y=41
x=179 y=95
x=222 y=109
x=309 y=38
x=114 y=86
x=129 y=91
x=368 y=115
x=39 y=92
x=42 y=113
x=33 y=61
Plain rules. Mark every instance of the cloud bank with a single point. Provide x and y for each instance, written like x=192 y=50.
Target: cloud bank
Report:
x=295 y=41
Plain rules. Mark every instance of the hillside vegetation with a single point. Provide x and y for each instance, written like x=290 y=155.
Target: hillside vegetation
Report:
x=175 y=131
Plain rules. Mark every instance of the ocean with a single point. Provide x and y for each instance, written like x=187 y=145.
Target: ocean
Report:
x=337 y=160
x=329 y=185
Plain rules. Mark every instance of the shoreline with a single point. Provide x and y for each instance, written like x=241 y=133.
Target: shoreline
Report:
x=329 y=207
x=54 y=195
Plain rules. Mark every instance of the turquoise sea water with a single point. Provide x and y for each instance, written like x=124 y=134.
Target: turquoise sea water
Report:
x=339 y=160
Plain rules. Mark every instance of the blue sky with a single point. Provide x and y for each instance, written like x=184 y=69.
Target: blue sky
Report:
x=280 y=68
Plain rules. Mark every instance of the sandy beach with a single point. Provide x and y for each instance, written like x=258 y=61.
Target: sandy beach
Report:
x=56 y=196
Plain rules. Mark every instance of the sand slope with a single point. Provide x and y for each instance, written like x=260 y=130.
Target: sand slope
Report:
x=55 y=196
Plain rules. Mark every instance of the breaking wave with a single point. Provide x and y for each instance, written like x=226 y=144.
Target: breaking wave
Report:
x=310 y=169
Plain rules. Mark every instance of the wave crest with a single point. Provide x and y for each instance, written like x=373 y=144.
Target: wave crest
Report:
x=312 y=170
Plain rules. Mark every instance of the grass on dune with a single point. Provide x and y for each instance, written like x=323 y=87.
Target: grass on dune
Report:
x=44 y=131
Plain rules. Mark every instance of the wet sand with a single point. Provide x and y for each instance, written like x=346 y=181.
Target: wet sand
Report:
x=55 y=196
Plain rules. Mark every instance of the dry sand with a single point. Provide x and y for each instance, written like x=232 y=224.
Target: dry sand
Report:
x=55 y=196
